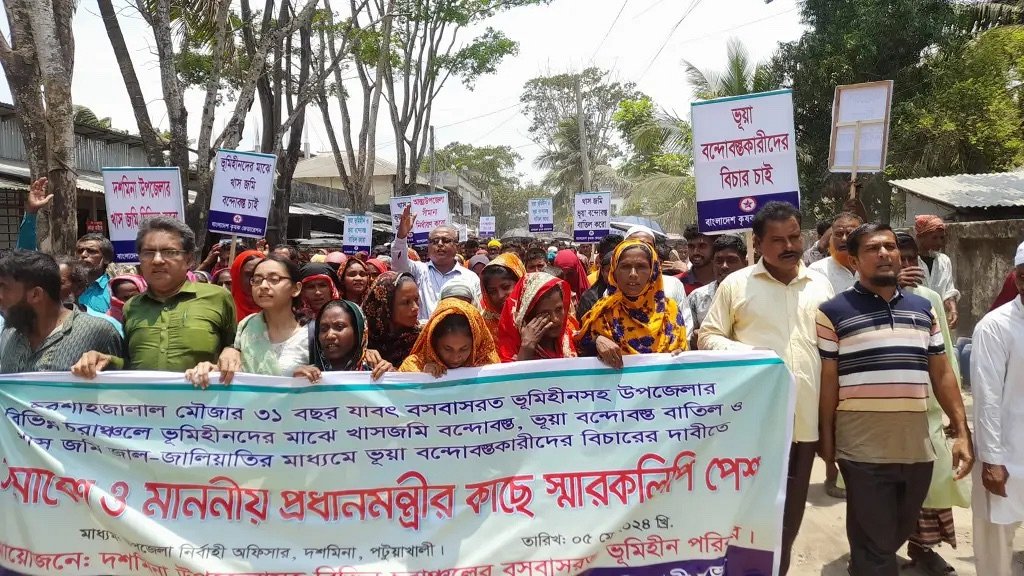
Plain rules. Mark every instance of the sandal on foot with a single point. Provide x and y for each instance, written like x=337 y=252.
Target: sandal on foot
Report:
x=834 y=491
x=931 y=563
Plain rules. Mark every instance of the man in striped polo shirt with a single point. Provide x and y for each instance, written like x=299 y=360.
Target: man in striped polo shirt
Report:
x=881 y=348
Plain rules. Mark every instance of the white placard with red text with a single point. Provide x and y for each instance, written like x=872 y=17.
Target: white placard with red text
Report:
x=430 y=210
x=134 y=194
x=744 y=156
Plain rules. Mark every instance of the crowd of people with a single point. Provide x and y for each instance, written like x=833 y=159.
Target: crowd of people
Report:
x=862 y=319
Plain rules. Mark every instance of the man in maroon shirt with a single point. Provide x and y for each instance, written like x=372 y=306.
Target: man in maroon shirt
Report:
x=702 y=269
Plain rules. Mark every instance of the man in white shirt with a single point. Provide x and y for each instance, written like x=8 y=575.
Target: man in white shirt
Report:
x=930 y=232
x=774 y=304
x=443 y=245
x=997 y=380
x=838 y=267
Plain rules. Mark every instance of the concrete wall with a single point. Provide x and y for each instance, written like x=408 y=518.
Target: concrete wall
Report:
x=982 y=256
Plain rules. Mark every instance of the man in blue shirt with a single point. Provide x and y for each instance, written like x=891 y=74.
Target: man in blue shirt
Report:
x=93 y=249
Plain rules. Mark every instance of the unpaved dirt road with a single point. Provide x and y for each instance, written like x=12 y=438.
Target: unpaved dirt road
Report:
x=821 y=548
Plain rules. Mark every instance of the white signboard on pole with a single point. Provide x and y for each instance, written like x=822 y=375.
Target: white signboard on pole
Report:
x=592 y=216
x=243 y=189
x=358 y=235
x=542 y=215
x=860 y=127
x=744 y=151
x=487 y=225
x=134 y=194
x=431 y=211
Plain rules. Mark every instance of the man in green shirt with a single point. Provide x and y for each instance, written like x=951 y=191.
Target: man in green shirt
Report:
x=175 y=324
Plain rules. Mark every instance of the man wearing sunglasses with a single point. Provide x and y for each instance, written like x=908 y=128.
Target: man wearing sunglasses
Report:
x=431 y=276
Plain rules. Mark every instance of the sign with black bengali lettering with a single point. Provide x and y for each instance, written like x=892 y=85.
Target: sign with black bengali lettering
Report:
x=672 y=465
x=243 y=190
x=134 y=194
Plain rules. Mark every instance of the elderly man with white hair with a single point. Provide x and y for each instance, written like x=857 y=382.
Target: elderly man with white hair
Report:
x=674 y=289
x=431 y=277
x=997 y=380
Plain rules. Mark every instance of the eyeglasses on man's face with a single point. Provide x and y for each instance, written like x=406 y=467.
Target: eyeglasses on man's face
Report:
x=168 y=254
x=441 y=241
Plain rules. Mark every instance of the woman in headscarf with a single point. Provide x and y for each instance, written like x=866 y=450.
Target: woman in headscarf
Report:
x=455 y=337
x=241 y=289
x=319 y=286
x=392 y=308
x=122 y=289
x=375 y=267
x=339 y=343
x=354 y=280
x=573 y=271
x=497 y=280
x=535 y=322
x=636 y=317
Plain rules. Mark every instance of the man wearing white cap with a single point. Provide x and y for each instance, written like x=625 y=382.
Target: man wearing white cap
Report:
x=997 y=379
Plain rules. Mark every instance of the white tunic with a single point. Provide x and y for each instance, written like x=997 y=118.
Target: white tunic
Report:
x=840 y=276
x=997 y=380
x=940 y=277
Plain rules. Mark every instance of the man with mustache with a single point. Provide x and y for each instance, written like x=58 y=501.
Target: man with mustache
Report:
x=838 y=267
x=431 y=276
x=773 y=305
x=41 y=335
x=882 y=354
x=702 y=269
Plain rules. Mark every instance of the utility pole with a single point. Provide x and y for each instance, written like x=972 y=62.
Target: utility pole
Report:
x=433 y=167
x=584 y=149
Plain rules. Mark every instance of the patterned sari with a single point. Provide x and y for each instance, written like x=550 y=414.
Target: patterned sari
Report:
x=525 y=296
x=393 y=345
x=647 y=324
x=423 y=352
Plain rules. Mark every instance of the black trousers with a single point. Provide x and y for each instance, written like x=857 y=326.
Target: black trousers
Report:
x=883 y=503
x=801 y=460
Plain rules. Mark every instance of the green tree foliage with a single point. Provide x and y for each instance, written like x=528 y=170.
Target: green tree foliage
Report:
x=487 y=167
x=740 y=76
x=509 y=205
x=969 y=114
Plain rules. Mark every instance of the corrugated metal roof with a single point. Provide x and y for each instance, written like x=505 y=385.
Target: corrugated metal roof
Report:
x=969 y=190
x=323 y=166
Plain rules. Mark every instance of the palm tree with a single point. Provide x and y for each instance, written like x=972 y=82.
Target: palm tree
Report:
x=84 y=115
x=740 y=76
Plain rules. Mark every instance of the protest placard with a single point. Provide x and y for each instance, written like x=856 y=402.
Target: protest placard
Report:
x=487 y=224
x=358 y=234
x=542 y=215
x=134 y=194
x=592 y=216
x=554 y=467
x=860 y=129
x=744 y=156
x=243 y=189
x=431 y=211
x=463 y=232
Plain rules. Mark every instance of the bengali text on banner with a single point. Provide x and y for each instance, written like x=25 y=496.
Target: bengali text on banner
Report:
x=744 y=156
x=673 y=465
x=134 y=194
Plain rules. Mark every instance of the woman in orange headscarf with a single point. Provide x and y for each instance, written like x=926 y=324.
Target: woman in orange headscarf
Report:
x=454 y=337
x=536 y=322
x=497 y=280
x=636 y=317
x=241 y=288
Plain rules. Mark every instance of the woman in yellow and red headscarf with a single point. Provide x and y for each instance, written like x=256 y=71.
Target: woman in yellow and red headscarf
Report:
x=536 y=322
x=454 y=337
x=635 y=317
x=497 y=280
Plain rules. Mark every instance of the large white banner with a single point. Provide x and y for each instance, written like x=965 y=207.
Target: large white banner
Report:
x=134 y=194
x=744 y=156
x=672 y=465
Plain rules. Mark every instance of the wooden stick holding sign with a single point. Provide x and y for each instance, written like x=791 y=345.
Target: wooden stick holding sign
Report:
x=860 y=129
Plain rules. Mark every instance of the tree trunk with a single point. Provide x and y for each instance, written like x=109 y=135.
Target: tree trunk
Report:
x=152 y=143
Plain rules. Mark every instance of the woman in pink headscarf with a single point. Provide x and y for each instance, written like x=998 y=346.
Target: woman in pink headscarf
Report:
x=122 y=289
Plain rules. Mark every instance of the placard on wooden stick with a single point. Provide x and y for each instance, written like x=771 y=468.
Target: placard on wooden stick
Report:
x=860 y=129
